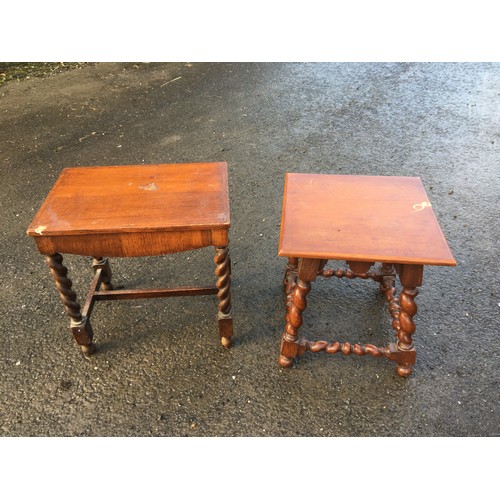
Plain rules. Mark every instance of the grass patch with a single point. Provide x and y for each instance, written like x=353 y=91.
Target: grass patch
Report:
x=25 y=70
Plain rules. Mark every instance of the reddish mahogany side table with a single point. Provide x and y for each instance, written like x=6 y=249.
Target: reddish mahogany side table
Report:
x=362 y=220
x=135 y=211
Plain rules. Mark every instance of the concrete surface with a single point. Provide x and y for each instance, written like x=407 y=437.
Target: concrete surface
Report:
x=160 y=370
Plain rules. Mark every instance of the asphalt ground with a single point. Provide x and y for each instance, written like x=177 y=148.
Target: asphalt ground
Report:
x=160 y=369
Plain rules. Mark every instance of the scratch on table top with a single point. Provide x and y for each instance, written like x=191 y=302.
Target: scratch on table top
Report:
x=149 y=187
x=422 y=205
x=40 y=229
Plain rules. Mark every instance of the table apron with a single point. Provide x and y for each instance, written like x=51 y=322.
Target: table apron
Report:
x=133 y=244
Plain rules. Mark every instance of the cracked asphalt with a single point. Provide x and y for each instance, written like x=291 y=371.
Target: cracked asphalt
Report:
x=159 y=369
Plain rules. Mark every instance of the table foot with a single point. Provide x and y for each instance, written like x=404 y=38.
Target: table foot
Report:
x=405 y=359
x=83 y=334
x=285 y=361
x=88 y=350
x=404 y=371
x=226 y=342
x=225 y=330
x=291 y=348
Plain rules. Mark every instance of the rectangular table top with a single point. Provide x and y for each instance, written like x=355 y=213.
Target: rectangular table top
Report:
x=361 y=218
x=135 y=198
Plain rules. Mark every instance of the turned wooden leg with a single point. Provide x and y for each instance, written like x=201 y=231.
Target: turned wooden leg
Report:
x=102 y=263
x=289 y=281
x=290 y=274
x=291 y=346
x=411 y=277
x=290 y=342
x=406 y=329
x=80 y=326
x=223 y=273
x=388 y=277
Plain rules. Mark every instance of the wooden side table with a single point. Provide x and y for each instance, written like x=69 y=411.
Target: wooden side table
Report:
x=135 y=211
x=362 y=220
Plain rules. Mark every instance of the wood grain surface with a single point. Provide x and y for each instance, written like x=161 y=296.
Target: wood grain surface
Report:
x=361 y=218
x=135 y=198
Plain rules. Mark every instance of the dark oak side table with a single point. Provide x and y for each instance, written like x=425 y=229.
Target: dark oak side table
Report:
x=135 y=211
x=363 y=220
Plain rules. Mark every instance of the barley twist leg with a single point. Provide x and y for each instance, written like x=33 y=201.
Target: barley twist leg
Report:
x=223 y=273
x=388 y=280
x=406 y=327
x=295 y=308
x=80 y=326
